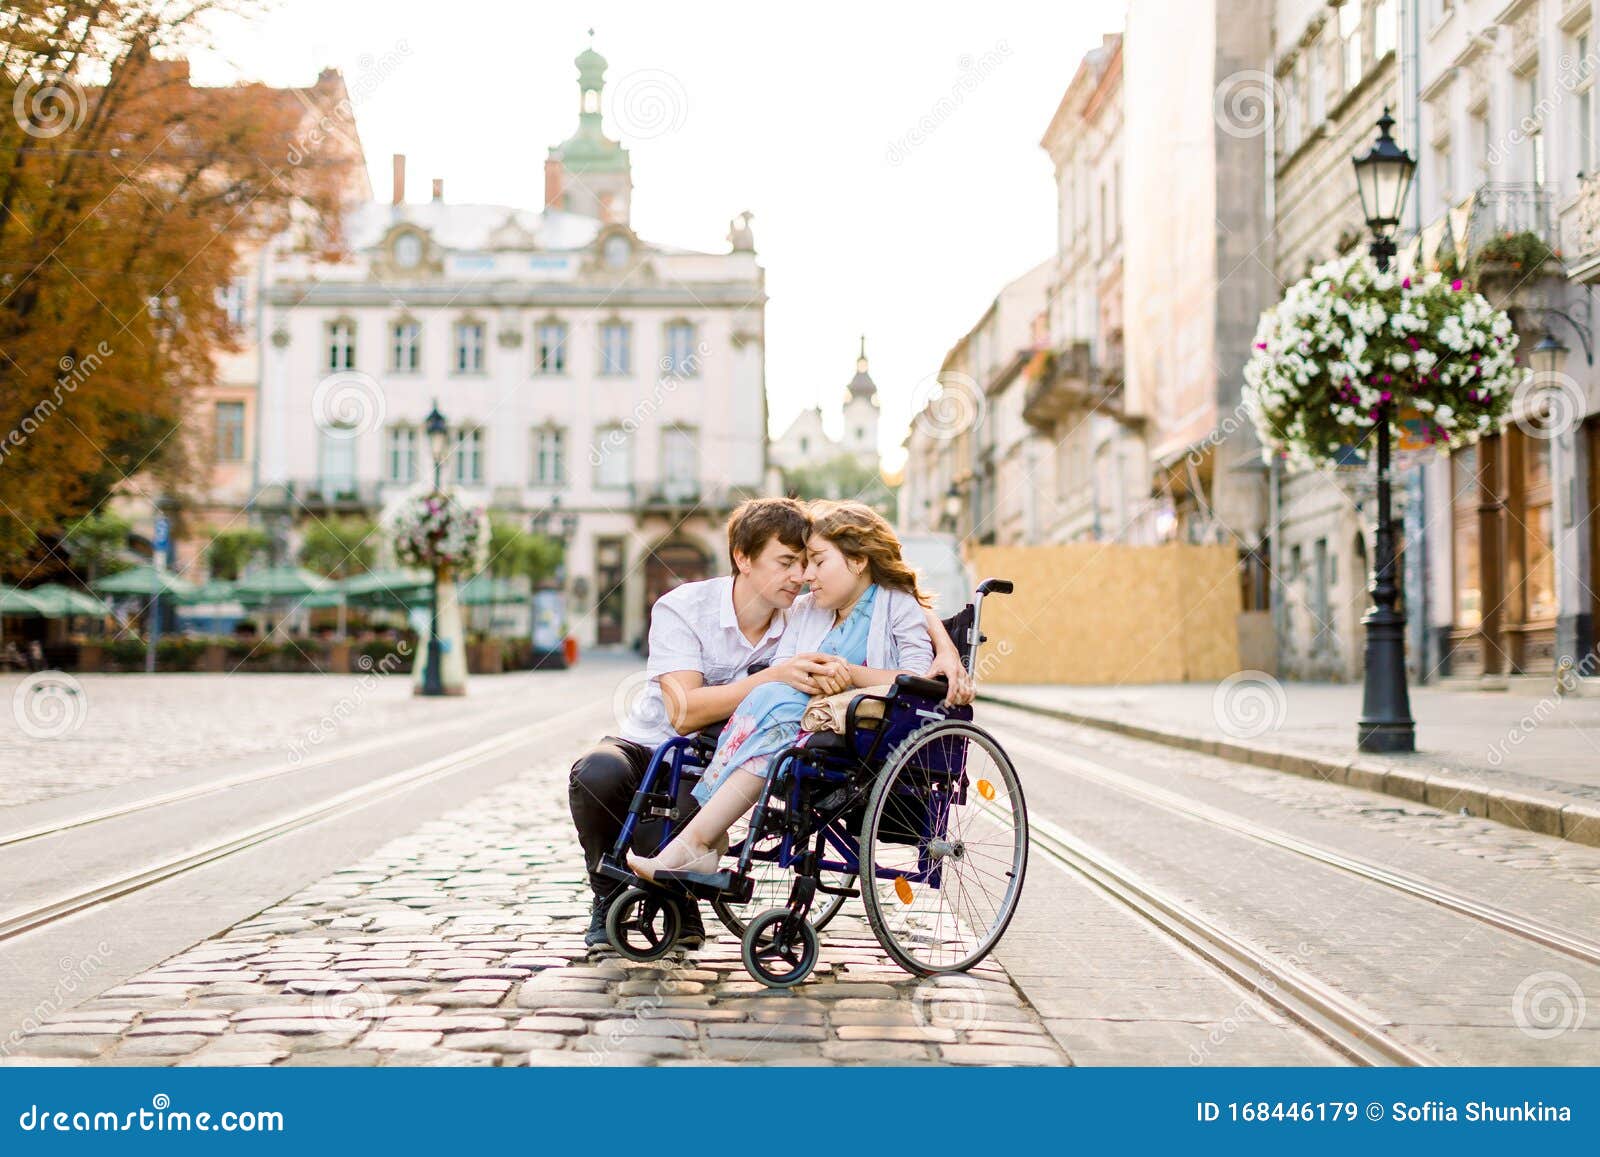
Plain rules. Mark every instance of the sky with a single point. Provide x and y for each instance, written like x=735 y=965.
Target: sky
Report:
x=889 y=152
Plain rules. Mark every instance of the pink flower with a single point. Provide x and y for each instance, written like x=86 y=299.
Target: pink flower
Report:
x=1261 y=345
x=1406 y=284
x=1455 y=285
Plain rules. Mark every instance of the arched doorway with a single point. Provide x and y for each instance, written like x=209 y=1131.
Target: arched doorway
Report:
x=669 y=566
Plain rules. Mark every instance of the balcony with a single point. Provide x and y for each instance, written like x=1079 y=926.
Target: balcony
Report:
x=340 y=495
x=1581 y=219
x=679 y=497
x=1068 y=381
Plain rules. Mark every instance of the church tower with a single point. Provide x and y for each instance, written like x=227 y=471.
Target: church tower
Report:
x=589 y=173
x=861 y=412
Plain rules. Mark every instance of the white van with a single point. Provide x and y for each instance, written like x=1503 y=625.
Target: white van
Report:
x=940 y=572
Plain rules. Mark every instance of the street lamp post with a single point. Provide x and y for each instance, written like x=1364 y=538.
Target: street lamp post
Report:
x=438 y=445
x=1383 y=176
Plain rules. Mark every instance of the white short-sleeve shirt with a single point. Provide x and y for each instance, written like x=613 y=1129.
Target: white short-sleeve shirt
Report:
x=694 y=628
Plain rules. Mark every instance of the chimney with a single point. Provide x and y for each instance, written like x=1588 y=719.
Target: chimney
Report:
x=438 y=188
x=399 y=178
x=552 y=183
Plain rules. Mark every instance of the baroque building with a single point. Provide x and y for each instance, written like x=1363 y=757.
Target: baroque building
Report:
x=582 y=369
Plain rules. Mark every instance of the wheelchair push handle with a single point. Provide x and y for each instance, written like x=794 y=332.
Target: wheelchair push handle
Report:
x=995 y=586
x=989 y=586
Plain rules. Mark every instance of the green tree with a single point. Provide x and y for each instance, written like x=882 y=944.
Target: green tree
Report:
x=339 y=548
x=514 y=551
x=231 y=551
x=98 y=545
x=843 y=476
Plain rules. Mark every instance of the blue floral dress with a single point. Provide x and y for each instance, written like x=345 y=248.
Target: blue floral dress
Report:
x=768 y=721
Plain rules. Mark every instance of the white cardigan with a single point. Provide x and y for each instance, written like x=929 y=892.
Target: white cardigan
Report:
x=897 y=638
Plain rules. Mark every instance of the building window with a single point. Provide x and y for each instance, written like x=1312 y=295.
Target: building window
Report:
x=1581 y=79
x=469 y=347
x=406 y=349
x=341 y=345
x=1316 y=85
x=337 y=462
x=1465 y=540
x=1350 y=39
x=1531 y=125
x=681 y=360
x=229 y=417
x=550 y=347
x=616 y=355
x=231 y=300
x=614 y=470
x=1478 y=141
x=1385 y=28
x=400 y=456
x=1539 y=560
x=467 y=455
x=680 y=460
x=549 y=456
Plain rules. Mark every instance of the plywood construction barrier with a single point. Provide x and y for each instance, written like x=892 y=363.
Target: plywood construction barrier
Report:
x=1095 y=613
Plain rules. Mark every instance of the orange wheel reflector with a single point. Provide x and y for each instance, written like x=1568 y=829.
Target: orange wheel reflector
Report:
x=985 y=789
x=902 y=888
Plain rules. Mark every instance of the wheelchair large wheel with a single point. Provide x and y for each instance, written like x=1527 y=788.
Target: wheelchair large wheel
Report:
x=780 y=949
x=643 y=925
x=946 y=834
x=771 y=890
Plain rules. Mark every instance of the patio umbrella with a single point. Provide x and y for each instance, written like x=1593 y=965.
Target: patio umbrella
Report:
x=16 y=601
x=392 y=587
x=59 y=602
x=212 y=591
x=146 y=580
x=280 y=582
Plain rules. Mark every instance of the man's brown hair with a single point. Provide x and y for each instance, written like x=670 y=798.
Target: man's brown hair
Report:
x=758 y=520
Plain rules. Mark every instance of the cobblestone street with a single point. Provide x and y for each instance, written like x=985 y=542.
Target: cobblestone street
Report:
x=462 y=944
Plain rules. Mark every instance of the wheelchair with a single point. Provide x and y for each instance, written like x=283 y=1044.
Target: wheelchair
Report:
x=914 y=808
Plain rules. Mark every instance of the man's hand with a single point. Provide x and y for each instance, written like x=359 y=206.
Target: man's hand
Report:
x=801 y=672
x=962 y=688
x=833 y=675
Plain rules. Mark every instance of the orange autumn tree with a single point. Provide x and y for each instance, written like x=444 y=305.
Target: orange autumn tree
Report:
x=128 y=198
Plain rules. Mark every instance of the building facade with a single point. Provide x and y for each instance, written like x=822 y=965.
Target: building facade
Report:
x=1075 y=395
x=1506 y=120
x=580 y=367
x=1335 y=69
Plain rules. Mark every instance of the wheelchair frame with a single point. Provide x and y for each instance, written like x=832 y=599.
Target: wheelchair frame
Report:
x=825 y=779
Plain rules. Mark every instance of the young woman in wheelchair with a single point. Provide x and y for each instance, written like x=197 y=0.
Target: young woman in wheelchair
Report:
x=865 y=613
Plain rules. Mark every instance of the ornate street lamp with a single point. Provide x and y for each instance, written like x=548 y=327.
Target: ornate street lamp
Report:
x=438 y=431
x=952 y=507
x=1383 y=177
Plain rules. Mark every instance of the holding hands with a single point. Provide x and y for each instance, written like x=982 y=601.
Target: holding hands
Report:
x=815 y=673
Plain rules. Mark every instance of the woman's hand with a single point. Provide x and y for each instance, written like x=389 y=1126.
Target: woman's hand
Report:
x=949 y=668
x=833 y=675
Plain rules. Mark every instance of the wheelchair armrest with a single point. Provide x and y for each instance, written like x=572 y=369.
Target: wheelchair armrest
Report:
x=935 y=689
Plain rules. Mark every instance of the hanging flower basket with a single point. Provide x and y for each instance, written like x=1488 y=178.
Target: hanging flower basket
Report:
x=1348 y=341
x=433 y=530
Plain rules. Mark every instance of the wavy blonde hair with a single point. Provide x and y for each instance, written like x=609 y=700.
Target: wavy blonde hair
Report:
x=860 y=532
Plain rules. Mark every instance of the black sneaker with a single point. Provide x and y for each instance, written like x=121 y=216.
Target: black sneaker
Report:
x=596 y=936
x=693 y=932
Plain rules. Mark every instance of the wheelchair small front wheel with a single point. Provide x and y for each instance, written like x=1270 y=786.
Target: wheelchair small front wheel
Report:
x=780 y=949
x=643 y=925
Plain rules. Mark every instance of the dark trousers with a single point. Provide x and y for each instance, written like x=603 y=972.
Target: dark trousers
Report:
x=600 y=788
